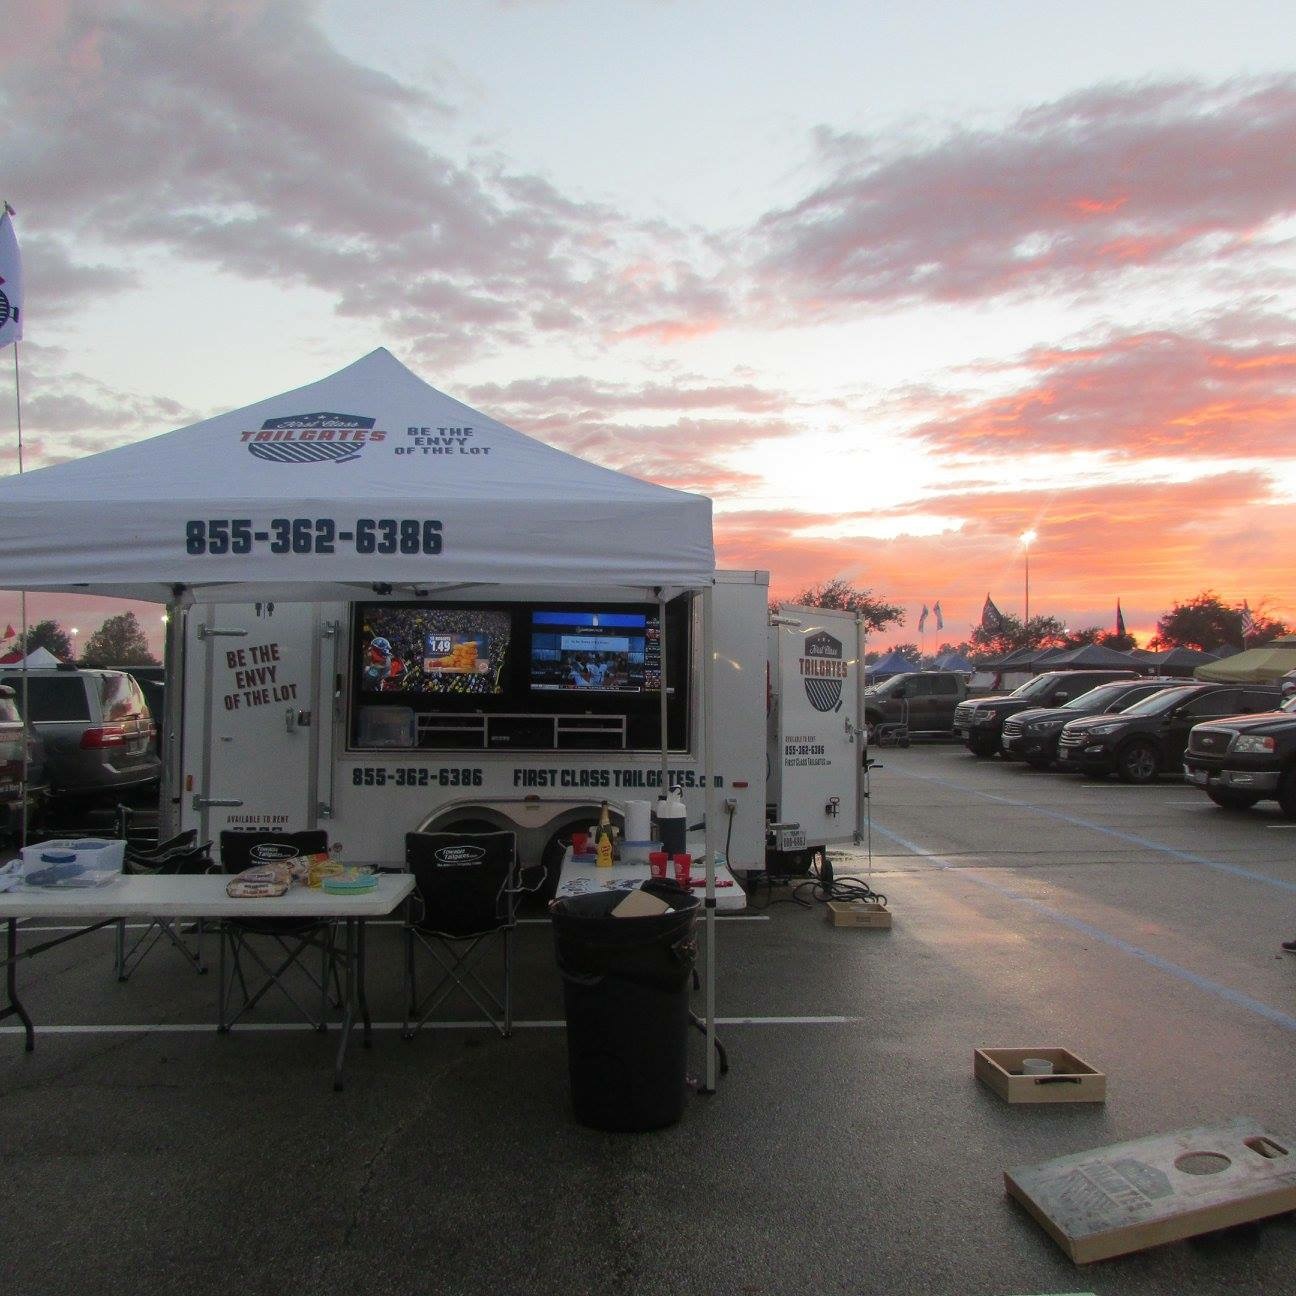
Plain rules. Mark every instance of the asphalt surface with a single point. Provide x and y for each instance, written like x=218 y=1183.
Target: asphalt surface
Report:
x=1138 y=927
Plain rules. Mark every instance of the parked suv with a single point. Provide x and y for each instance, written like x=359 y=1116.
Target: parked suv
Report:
x=922 y=702
x=11 y=768
x=1149 y=737
x=96 y=728
x=980 y=722
x=1246 y=759
x=1033 y=734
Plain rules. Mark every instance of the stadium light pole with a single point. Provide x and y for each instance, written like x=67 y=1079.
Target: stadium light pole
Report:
x=1027 y=538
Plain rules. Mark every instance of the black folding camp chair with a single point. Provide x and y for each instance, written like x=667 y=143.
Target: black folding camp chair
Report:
x=465 y=893
x=181 y=854
x=288 y=938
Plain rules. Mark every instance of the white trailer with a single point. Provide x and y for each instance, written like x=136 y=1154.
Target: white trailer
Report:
x=281 y=731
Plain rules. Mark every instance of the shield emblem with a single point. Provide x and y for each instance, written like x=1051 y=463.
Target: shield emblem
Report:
x=823 y=689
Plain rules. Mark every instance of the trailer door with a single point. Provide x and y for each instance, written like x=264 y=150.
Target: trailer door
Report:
x=816 y=752
x=257 y=685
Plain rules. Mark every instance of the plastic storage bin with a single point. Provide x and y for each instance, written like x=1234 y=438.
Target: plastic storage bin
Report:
x=73 y=862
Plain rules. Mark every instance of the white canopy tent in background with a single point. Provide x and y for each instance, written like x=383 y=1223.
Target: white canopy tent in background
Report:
x=368 y=480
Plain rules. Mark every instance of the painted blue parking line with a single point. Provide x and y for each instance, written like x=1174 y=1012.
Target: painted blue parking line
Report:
x=1131 y=839
x=1235 y=997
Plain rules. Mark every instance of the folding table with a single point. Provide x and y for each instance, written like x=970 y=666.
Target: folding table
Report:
x=199 y=896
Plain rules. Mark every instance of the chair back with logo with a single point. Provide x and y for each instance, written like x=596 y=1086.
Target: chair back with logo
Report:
x=465 y=881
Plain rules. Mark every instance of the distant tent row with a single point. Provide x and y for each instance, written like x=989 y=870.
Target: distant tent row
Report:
x=1260 y=665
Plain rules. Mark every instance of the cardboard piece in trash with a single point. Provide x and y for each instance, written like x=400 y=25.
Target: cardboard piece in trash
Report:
x=1113 y=1200
x=858 y=913
x=640 y=904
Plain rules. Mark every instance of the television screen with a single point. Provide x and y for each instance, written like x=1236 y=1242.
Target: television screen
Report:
x=595 y=651
x=434 y=651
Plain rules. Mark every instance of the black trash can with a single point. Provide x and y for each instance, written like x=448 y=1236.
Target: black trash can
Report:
x=626 y=989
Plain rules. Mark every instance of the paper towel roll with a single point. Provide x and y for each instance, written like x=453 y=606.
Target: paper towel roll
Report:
x=638 y=820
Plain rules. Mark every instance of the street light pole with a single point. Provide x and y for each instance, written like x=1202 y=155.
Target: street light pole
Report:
x=1027 y=538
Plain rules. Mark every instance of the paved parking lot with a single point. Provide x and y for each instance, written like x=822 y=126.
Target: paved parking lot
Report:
x=849 y=1150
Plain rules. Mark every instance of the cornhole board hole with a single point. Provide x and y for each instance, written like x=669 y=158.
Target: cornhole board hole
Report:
x=1113 y=1200
x=1072 y=1080
x=858 y=913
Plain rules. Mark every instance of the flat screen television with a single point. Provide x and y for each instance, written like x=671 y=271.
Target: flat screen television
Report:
x=529 y=675
x=595 y=650
x=434 y=651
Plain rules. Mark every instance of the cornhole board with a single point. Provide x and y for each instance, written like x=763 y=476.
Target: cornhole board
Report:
x=1072 y=1081
x=1113 y=1200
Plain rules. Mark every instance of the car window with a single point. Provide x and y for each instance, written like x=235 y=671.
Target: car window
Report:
x=945 y=686
x=920 y=688
x=1222 y=703
x=1254 y=700
x=1159 y=702
x=1097 y=699
x=117 y=698
x=54 y=697
x=1033 y=688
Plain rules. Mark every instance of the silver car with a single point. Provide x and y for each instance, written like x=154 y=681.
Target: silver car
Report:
x=96 y=728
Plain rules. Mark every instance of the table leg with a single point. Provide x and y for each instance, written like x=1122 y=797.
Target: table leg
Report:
x=349 y=995
x=13 y=1006
x=360 y=983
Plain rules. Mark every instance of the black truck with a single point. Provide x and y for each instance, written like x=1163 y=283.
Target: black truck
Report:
x=1245 y=759
x=979 y=722
x=1149 y=738
x=921 y=703
x=1033 y=734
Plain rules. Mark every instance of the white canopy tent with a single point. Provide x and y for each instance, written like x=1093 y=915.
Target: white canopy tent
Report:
x=368 y=480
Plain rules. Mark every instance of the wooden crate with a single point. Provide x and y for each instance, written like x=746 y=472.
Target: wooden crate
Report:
x=1072 y=1080
x=1130 y=1196
x=858 y=913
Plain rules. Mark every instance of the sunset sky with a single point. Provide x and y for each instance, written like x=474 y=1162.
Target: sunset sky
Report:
x=892 y=283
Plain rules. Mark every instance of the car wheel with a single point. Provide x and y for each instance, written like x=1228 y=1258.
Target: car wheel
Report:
x=983 y=747
x=1227 y=800
x=1137 y=763
x=1287 y=793
x=1038 y=762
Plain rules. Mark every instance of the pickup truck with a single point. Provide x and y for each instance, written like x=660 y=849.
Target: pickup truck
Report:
x=922 y=703
x=1244 y=759
x=980 y=722
x=1150 y=737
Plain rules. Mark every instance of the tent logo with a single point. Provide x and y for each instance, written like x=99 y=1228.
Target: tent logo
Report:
x=5 y=310
x=822 y=670
x=312 y=438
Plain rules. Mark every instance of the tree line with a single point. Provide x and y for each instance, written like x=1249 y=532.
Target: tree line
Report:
x=1204 y=622
x=119 y=641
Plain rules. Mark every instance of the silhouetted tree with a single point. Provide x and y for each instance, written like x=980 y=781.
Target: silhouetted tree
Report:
x=119 y=642
x=48 y=635
x=876 y=612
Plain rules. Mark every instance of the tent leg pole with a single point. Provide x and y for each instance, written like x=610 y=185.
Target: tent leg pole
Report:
x=172 y=720
x=708 y=740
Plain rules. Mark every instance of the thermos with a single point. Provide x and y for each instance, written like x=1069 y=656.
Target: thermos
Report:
x=672 y=822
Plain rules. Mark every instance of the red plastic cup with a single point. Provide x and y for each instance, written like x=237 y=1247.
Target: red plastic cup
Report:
x=657 y=863
x=580 y=841
x=683 y=869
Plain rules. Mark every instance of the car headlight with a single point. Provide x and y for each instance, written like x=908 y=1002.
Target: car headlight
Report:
x=1253 y=743
x=1101 y=731
x=984 y=718
x=1041 y=726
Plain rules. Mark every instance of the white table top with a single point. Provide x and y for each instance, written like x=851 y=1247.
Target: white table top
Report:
x=586 y=879
x=197 y=896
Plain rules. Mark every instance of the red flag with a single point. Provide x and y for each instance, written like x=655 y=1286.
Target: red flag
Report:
x=1120 y=620
x=9 y=632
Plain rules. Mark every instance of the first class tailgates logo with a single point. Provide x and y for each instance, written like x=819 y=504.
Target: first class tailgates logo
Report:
x=312 y=438
x=823 y=670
